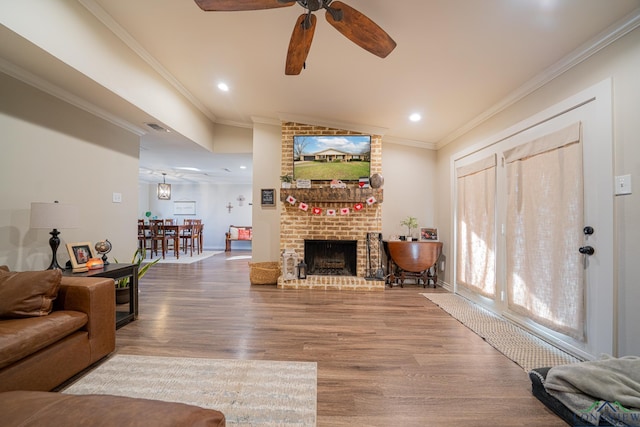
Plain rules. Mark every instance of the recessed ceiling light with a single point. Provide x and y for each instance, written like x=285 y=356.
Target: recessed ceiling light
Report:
x=243 y=167
x=223 y=87
x=188 y=168
x=415 y=117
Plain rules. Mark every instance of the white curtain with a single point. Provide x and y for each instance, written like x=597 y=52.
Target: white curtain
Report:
x=475 y=257
x=544 y=270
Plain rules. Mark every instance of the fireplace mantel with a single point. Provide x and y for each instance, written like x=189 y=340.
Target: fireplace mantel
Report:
x=330 y=195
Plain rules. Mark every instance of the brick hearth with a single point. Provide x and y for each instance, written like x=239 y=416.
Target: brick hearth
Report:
x=297 y=225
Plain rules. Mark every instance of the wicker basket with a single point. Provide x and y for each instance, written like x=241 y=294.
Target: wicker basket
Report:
x=264 y=273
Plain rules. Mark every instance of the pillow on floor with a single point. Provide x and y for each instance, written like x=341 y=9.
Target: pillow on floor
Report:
x=29 y=293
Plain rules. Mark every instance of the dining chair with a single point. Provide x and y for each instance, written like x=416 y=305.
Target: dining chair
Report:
x=191 y=239
x=158 y=236
x=143 y=238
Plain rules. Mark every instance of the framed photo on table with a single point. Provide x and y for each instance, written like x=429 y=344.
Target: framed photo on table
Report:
x=428 y=233
x=79 y=254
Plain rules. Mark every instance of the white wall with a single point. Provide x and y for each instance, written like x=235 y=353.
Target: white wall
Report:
x=267 y=155
x=409 y=187
x=621 y=62
x=100 y=55
x=53 y=151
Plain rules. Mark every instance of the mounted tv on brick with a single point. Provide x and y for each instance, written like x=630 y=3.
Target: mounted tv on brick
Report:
x=329 y=157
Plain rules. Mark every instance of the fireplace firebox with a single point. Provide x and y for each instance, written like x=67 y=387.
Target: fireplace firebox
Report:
x=331 y=257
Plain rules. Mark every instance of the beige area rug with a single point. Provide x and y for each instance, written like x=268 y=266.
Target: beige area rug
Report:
x=184 y=259
x=247 y=392
x=524 y=348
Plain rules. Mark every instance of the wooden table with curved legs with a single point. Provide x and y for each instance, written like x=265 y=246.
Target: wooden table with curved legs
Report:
x=413 y=259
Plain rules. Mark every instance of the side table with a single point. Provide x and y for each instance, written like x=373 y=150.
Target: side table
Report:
x=115 y=272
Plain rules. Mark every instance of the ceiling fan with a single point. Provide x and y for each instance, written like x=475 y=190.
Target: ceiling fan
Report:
x=352 y=24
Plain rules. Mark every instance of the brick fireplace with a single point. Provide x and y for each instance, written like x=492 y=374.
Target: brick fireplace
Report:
x=297 y=225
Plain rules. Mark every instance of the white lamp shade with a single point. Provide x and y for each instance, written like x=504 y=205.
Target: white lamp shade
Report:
x=54 y=215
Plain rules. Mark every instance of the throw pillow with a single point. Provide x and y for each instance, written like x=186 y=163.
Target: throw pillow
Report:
x=233 y=233
x=244 y=234
x=29 y=293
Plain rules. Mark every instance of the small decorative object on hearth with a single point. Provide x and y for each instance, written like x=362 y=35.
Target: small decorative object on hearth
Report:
x=103 y=248
x=302 y=270
x=289 y=262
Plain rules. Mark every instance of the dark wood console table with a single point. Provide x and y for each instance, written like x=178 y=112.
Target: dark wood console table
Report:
x=416 y=259
x=115 y=272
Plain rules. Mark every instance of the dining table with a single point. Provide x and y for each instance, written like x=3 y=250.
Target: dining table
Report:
x=176 y=231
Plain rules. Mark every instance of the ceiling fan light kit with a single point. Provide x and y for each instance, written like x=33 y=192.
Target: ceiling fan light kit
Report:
x=348 y=21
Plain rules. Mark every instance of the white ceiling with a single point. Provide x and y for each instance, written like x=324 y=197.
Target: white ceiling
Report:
x=455 y=61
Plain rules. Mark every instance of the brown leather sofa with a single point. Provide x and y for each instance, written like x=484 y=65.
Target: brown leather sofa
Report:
x=38 y=409
x=41 y=351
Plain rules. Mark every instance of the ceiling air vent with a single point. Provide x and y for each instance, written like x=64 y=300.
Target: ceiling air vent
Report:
x=157 y=127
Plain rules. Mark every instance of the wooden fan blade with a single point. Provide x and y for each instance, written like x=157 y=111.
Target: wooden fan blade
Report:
x=300 y=44
x=236 y=5
x=361 y=30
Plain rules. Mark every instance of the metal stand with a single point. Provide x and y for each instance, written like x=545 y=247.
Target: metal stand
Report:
x=374 y=257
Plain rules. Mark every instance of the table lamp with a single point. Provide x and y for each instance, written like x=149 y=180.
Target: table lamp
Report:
x=53 y=216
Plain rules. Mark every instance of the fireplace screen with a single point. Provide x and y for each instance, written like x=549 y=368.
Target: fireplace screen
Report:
x=331 y=257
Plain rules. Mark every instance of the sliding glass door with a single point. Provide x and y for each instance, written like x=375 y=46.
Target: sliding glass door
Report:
x=533 y=224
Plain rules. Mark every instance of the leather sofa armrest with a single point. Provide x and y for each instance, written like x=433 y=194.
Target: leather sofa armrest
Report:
x=96 y=298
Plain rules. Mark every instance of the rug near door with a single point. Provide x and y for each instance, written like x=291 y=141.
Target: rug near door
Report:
x=247 y=392
x=525 y=349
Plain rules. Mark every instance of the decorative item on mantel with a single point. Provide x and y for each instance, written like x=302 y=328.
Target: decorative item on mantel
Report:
x=303 y=183
x=376 y=180
x=289 y=263
x=286 y=181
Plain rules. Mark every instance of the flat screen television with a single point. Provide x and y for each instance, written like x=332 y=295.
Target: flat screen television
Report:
x=329 y=157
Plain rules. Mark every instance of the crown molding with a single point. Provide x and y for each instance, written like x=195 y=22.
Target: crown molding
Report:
x=373 y=130
x=409 y=142
x=582 y=53
x=31 y=79
x=132 y=43
x=266 y=121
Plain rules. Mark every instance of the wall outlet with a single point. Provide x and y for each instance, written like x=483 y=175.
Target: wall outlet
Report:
x=117 y=197
x=623 y=185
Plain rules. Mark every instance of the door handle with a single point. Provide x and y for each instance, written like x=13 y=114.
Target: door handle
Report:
x=587 y=250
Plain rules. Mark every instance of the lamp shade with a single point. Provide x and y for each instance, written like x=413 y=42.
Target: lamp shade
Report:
x=54 y=215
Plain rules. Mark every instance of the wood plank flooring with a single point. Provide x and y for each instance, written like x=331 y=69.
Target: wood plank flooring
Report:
x=388 y=358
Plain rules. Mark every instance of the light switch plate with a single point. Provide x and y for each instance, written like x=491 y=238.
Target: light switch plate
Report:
x=117 y=197
x=623 y=185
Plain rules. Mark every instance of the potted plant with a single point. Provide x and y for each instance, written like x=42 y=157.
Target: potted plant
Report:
x=411 y=223
x=122 y=285
x=286 y=181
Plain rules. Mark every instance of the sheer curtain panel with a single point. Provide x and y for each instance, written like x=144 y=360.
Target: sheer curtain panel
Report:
x=544 y=270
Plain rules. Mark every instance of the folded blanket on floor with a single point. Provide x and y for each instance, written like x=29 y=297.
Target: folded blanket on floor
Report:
x=598 y=388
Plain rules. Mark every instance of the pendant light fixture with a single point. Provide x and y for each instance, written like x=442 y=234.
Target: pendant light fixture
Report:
x=164 y=189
